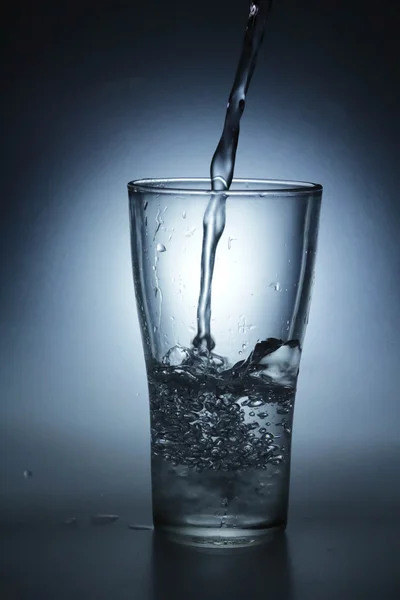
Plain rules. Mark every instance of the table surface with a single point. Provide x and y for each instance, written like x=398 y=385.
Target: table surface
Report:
x=321 y=559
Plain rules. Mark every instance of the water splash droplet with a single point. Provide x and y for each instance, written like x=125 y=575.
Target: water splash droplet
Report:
x=161 y=248
x=253 y=9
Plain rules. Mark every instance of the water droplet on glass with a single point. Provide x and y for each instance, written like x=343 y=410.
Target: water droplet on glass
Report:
x=145 y=204
x=184 y=214
x=27 y=473
x=160 y=248
x=190 y=231
x=159 y=222
x=104 y=519
x=276 y=286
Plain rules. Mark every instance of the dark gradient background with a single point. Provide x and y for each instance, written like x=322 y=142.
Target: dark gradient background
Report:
x=96 y=94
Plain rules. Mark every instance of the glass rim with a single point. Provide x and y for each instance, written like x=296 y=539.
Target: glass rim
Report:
x=288 y=187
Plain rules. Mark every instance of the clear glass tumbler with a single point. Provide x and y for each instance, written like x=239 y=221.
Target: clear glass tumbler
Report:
x=221 y=420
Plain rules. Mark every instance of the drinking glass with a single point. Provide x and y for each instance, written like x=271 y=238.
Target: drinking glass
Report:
x=221 y=420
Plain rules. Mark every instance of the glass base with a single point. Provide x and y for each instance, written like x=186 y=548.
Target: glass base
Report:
x=210 y=537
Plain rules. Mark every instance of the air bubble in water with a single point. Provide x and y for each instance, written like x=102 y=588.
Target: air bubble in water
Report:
x=287 y=429
x=199 y=419
x=160 y=248
x=255 y=402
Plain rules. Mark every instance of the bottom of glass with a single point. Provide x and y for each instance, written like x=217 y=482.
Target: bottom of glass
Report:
x=210 y=537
